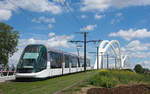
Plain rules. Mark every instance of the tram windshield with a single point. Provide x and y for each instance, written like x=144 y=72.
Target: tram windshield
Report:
x=33 y=59
x=28 y=63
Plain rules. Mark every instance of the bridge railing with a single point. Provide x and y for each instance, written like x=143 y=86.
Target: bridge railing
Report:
x=7 y=72
x=6 y=75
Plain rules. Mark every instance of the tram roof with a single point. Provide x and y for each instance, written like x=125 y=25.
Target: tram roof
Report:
x=55 y=50
x=60 y=51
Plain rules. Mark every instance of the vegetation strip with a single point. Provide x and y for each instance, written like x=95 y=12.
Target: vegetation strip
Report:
x=107 y=80
x=43 y=87
x=111 y=78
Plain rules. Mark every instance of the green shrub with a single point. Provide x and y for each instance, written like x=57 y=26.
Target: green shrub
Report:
x=103 y=79
x=109 y=78
x=107 y=82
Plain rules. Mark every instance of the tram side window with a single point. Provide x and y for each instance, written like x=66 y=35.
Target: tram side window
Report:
x=88 y=63
x=55 y=60
x=74 y=62
x=66 y=61
x=81 y=62
x=43 y=58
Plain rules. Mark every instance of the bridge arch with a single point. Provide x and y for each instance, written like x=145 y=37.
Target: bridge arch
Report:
x=124 y=59
x=103 y=47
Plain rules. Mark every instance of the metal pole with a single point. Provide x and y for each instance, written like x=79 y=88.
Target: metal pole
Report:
x=101 y=60
x=120 y=63
x=115 y=63
x=107 y=62
x=63 y=63
x=78 y=51
x=78 y=57
x=85 y=41
x=97 y=58
x=84 y=51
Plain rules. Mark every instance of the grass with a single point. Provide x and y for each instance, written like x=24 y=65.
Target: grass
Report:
x=111 y=78
x=75 y=88
x=102 y=78
x=44 y=87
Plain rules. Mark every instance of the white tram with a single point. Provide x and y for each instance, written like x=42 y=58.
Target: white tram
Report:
x=38 y=61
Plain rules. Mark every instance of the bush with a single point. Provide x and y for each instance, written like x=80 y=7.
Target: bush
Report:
x=110 y=78
x=107 y=82
x=103 y=79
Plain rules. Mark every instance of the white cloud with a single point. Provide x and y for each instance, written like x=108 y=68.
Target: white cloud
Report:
x=117 y=19
x=101 y=5
x=52 y=42
x=43 y=19
x=5 y=14
x=136 y=49
x=30 y=5
x=136 y=45
x=89 y=28
x=131 y=33
x=96 y=16
x=59 y=1
x=59 y=41
x=65 y=4
x=145 y=64
x=83 y=16
x=6 y=5
x=50 y=26
x=51 y=34
x=38 y=6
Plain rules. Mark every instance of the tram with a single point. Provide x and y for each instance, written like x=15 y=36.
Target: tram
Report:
x=39 y=61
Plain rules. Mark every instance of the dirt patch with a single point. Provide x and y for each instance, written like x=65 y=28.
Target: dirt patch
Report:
x=1 y=91
x=84 y=90
x=134 y=89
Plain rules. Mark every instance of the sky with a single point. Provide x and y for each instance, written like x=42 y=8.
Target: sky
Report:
x=55 y=22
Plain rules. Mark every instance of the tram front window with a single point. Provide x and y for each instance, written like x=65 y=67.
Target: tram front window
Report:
x=26 y=66
x=28 y=63
x=32 y=60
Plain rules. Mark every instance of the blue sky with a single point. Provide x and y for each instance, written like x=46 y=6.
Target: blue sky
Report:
x=54 y=22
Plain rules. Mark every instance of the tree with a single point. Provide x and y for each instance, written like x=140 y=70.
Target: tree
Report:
x=138 y=68
x=8 y=42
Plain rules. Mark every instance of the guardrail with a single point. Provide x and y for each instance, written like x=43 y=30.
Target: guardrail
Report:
x=7 y=75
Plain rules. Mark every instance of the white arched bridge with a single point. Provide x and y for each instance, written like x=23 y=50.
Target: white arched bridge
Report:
x=109 y=56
